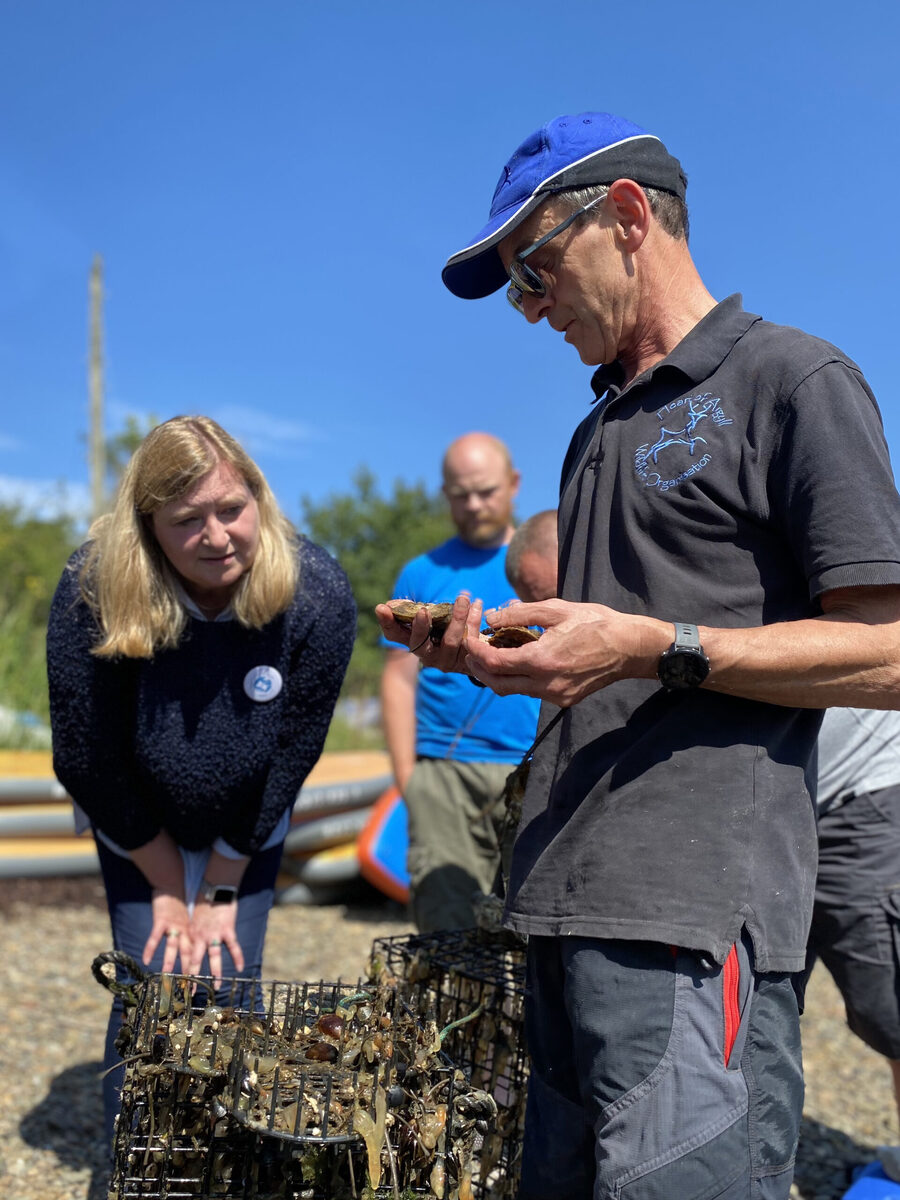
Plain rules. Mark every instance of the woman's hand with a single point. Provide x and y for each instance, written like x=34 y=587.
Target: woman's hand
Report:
x=160 y=863
x=171 y=925
x=212 y=927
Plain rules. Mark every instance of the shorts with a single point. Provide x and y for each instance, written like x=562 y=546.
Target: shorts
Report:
x=856 y=917
x=656 y=1077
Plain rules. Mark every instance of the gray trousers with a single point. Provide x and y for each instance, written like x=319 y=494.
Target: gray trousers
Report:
x=656 y=1076
x=454 y=849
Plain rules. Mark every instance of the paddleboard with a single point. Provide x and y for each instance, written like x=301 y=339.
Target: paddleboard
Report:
x=37 y=820
x=35 y=814
x=333 y=767
x=338 y=864
x=312 y=800
x=295 y=893
x=22 y=790
x=321 y=832
x=311 y=832
x=291 y=891
x=22 y=858
x=383 y=844
x=26 y=762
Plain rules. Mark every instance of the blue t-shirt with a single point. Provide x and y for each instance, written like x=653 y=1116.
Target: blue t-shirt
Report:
x=453 y=718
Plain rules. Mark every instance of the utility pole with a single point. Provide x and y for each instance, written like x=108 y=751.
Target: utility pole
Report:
x=97 y=454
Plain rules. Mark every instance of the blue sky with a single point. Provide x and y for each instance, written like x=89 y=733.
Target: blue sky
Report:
x=274 y=187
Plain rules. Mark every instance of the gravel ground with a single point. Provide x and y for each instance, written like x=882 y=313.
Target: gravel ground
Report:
x=53 y=1017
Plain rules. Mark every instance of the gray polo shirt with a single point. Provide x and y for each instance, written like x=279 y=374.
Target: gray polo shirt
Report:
x=730 y=485
x=859 y=751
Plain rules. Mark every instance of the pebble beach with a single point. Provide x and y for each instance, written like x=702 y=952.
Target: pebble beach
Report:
x=53 y=1017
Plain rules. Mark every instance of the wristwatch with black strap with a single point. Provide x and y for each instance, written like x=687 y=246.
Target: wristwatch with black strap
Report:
x=217 y=893
x=683 y=665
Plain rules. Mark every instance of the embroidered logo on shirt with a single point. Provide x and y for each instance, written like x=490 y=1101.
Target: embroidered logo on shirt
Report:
x=263 y=683
x=678 y=452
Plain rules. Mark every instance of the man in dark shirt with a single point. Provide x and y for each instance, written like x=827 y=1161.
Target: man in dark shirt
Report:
x=729 y=565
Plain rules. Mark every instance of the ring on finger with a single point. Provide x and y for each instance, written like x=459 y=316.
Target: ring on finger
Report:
x=215 y=942
x=173 y=933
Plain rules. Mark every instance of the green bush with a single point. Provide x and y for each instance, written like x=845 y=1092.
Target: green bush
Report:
x=23 y=673
x=33 y=553
x=343 y=736
x=372 y=536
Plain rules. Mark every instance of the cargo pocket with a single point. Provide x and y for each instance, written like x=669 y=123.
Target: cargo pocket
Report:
x=774 y=1074
x=717 y=1170
x=683 y=1132
x=891 y=906
x=870 y=987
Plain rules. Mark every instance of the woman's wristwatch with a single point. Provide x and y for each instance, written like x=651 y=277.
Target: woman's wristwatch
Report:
x=217 y=893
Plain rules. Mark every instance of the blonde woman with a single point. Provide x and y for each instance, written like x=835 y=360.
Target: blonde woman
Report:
x=195 y=652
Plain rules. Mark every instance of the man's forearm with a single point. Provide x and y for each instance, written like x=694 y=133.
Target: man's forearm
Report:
x=401 y=744
x=848 y=657
x=826 y=662
x=398 y=714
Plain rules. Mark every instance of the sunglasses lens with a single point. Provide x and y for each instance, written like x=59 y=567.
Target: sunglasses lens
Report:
x=525 y=279
x=514 y=296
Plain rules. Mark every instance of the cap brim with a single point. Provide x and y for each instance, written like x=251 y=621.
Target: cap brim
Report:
x=477 y=271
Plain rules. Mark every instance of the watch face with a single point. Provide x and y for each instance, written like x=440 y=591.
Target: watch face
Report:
x=682 y=669
x=218 y=893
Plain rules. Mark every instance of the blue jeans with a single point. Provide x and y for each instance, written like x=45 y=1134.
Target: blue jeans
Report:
x=128 y=897
x=657 y=1075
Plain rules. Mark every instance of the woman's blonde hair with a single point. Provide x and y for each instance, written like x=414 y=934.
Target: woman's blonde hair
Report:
x=127 y=579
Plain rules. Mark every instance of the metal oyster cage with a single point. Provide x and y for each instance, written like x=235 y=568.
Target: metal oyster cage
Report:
x=471 y=982
x=315 y=1091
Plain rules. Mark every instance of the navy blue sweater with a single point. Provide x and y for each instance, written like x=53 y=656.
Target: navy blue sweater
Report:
x=174 y=742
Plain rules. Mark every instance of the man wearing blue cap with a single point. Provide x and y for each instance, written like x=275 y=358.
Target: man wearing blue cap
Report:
x=729 y=566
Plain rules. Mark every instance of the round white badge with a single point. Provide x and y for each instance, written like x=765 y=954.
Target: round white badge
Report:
x=263 y=683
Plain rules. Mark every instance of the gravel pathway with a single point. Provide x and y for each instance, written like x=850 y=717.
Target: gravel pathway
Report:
x=53 y=1017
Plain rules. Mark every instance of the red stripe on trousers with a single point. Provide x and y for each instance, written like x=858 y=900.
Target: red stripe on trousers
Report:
x=731 y=978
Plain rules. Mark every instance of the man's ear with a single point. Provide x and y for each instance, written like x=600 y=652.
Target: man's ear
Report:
x=631 y=209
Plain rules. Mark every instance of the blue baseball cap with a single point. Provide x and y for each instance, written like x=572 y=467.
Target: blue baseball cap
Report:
x=567 y=152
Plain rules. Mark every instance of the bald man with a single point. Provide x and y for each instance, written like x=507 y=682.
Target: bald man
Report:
x=531 y=558
x=451 y=744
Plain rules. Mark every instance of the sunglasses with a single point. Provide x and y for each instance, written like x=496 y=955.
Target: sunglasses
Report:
x=524 y=280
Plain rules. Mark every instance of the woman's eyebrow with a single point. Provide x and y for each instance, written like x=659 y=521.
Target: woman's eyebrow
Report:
x=183 y=508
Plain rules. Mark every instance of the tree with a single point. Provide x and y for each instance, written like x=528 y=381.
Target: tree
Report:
x=118 y=449
x=33 y=552
x=372 y=536
x=121 y=446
